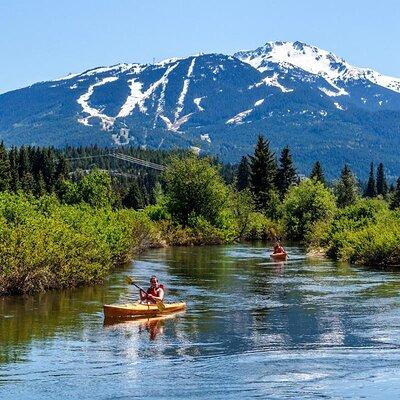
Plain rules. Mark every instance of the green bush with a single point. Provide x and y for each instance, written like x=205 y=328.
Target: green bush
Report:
x=365 y=233
x=45 y=245
x=194 y=188
x=304 y=206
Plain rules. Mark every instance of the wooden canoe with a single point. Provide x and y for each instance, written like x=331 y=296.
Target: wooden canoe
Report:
x=137 y=309
x=279 y=256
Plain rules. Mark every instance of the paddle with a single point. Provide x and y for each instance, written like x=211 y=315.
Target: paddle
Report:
x=159 y=303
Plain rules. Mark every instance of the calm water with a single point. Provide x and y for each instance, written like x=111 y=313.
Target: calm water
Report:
x=253 y=329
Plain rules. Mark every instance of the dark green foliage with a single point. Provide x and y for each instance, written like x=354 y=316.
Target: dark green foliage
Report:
x=135 y=197
x=395 y=198
x=14 y=178
x=370 y=191
x=286 y=175
x=317 y=173
x=5 y=170
x=262 y=175
x=45 y=245
x=243 y=174
x=194 y=190
x=304 y=206
x=346 y=189
x=381 y=183
x=366 y=233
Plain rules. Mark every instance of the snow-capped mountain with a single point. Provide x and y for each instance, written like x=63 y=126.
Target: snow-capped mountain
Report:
x=295 y=94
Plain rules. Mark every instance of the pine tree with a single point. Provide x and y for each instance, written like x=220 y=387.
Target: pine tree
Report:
x=13 y=159
x=317 y=173
x=243 y=174
x=40 y=186
x=370 y=191
x=346 y=189
x=395 y=200
x=24 y=165
x=5 y=171
x=381 y=183
x=49 y=168
x=286 y=175
x=262 y=174
x=134 y=198
x=62 y=168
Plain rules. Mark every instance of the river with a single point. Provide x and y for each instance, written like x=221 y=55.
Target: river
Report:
x=302 y=329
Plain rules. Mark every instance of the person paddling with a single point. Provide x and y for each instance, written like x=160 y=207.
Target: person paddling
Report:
x=278 y=248
x=154 y=293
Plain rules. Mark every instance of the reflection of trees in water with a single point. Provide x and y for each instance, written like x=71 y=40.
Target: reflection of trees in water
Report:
x=41 y=316
x=207 y=267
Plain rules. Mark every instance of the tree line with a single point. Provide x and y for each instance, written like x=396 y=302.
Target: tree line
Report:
x=269 y=180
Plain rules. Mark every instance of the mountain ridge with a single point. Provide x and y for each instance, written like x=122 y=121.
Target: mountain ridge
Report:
x=292 y=92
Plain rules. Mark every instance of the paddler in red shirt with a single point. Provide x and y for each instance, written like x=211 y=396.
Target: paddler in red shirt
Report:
x=278 y=248
x=154 y=293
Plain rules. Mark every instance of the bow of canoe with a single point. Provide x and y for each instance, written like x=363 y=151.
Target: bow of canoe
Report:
x=279 y=256
x=136 y=309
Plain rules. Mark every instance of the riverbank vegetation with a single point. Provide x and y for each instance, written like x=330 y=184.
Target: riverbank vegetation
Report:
x=65 y=222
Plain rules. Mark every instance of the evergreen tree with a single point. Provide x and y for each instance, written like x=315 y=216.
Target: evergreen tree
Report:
x=286 y=175
x=27 y=183
x=346 y=189
x=317 y=173
x=370 y=191
x=13 y=159
x=395 y=200
x=24 y=166
x=243 y=174
x=49 y=168
x=135 y=197
x=5 y=172
x=263 y=174
x=381 y=183
x=40 y=186
x=62 y=168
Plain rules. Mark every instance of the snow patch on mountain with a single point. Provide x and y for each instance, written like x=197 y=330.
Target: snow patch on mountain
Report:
x=272 y=81
x=289 y=55
x=197 y=101
x=330 y=93
x=205 y=137
x=238 y=118
x=163 y=81
x=136 y=97
x=185 y=88
x=174 y=126
x=338 y=106
x=106 y=121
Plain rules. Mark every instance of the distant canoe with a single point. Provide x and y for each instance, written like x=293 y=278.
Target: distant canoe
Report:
x=279 y=256
x=137 y=309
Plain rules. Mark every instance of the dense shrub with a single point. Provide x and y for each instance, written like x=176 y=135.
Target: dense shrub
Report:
x=304 y=206
x=365 y=233
x=46 y=245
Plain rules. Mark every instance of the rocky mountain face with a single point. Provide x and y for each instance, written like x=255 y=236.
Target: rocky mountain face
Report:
x=322 y=107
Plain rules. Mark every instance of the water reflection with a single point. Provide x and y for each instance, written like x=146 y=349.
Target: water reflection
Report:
x=153 y=325
x=303 y=328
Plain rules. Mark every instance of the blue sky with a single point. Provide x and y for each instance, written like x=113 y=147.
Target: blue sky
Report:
x=43 y=39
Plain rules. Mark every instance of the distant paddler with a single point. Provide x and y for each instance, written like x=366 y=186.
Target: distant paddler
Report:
x=279 y=253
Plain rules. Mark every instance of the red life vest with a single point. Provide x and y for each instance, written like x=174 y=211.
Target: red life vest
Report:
x=154 y=291
x=278 y=249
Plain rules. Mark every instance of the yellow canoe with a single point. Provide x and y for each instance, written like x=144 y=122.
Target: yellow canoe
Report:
x=279 y=256
x=136 y=309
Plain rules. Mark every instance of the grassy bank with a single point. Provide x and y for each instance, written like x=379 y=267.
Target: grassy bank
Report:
x=366 y=233
x=46 y=245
